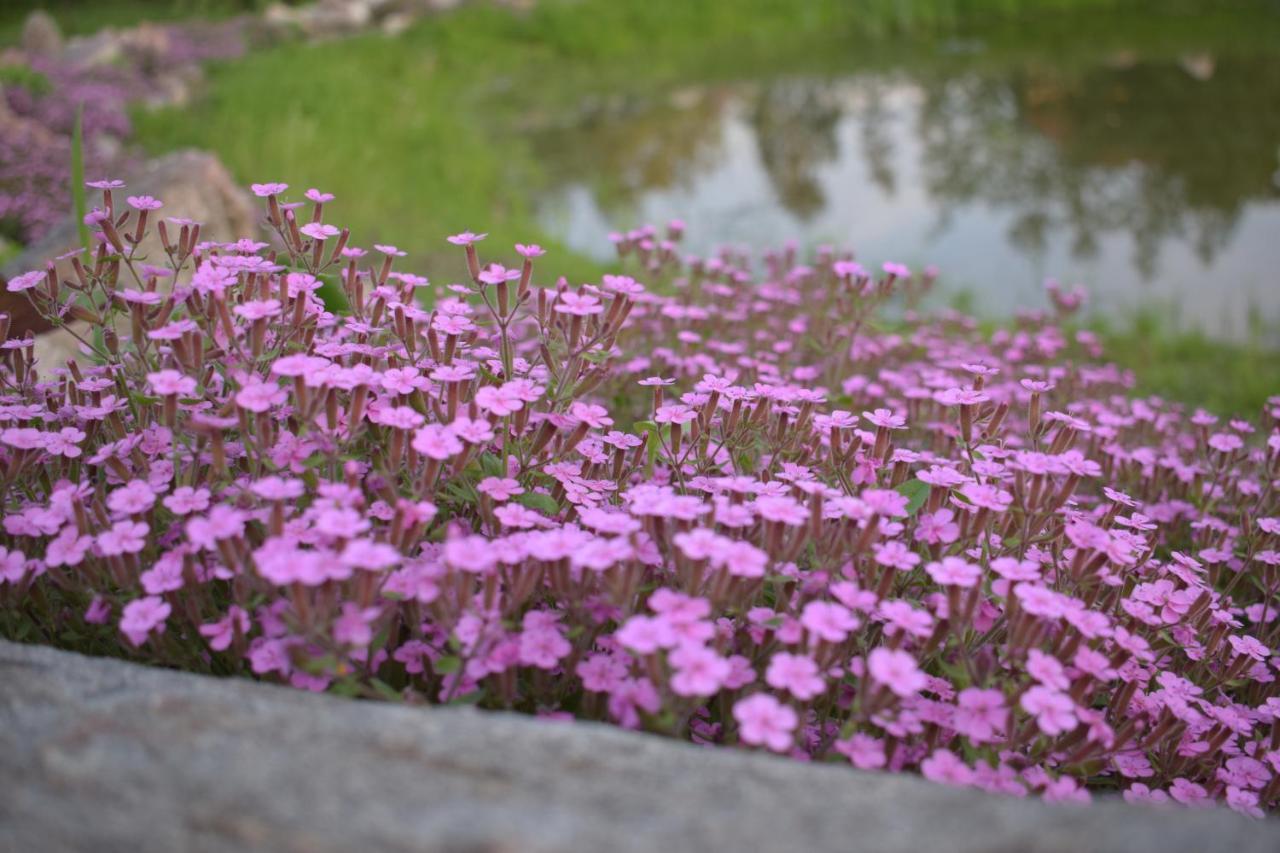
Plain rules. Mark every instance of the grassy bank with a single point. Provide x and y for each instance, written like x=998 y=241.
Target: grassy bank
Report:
x=449 y=103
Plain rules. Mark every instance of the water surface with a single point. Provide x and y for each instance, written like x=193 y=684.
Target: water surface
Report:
x=1146 y=169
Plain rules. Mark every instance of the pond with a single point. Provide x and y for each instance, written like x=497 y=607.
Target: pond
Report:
x=1132 y=147
x=1145 y=168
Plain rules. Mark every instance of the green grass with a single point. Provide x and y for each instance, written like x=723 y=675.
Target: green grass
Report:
x=424 y=135
x=1223 y=377
x=81 y=17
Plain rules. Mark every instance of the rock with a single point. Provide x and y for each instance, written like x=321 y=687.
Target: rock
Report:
x=101 y=755
x=41 y=35
x=104 y=47
x=192 y=184
x=1199 y=66
x=322 y=19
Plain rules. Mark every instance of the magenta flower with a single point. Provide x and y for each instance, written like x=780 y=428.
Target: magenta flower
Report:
x=142 y=617
x=166 y=382
x=764 y=721
x=268 y=190
x=896 y=670
x=25 y=281
x=13 y=565
x=144 y=202
x=1054 y=711
x=319 y=231
x=699 y=671
x=796 y=674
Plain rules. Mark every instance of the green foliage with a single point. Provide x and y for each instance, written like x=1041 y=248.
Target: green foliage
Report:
x=448 y=103
x=1229 y=378
x=916 y=493
x=79 y=204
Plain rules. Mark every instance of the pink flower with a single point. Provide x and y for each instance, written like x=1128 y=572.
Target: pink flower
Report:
x=699 y=671
x=1047 y=670
x=580 y=306
x=937 y=528
x=497 y=273
x=595 y=417
x=13 y=565
x=68 y=548
x=764 y=721
x=186 y=500
x=223 y=631
x=166 y=382
x=65 y=442
x=828 y=621
x=142 y=616
x=500 y=488
x=954 y=571
x=897 y=556
x=797 y=674
x=945 y=767
x=124 y=537
x=436 y=442
x=541 y=643
x=896 y=670
x=1054 y=711
x=258 y=396
x=133 y=498
x=472 y=554
x=980 y=715
x=885 y=419
x=319 y=231
x=26 y=281
x=986 y=496
x=268 y=190
x=885 y=502
x=645 y=635
x=370 y=556
x=354 y=626
x=144 y=202
x=863 y=751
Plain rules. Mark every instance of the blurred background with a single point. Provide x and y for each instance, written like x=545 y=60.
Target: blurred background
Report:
x=1130 y=147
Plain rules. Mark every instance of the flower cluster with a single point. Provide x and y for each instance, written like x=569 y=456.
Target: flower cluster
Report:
x=731 y=504
x=39 y=105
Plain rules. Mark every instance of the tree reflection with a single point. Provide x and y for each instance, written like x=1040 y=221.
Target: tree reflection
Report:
x=795 y=127
x=1172 y=149
x=1147 y=149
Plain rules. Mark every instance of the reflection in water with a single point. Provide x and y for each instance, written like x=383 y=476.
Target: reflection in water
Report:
x=1152 y=183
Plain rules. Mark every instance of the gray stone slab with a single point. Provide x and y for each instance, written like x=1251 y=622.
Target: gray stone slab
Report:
x=103 y=755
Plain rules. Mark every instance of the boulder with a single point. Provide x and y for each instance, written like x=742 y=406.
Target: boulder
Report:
x=41 y=35
x=192 y=184
x=101 y=755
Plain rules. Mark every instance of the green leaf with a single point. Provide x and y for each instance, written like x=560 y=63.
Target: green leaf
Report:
x=80 y=205
x=462 y=492
x=540 y=502
x=655 y=443
x=386 y=691
x=491 y=465
x=447 y=664
x=916 y=492
x=471 y=698
x=346 y=687
x=332 y=295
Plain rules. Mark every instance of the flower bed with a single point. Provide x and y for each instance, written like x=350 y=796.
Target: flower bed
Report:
x=100 y=78
x=732 y=504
